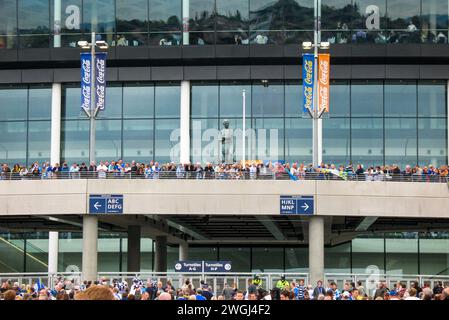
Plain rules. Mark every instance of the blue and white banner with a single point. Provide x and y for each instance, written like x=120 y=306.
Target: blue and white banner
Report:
x=86 y=83
x=308 y=77
x=100 y=81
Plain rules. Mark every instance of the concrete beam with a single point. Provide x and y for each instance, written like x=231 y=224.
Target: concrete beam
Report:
x=175 y=223
x=272 y=227
x=366 y=223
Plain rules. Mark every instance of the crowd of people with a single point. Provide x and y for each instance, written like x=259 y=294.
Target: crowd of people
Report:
x=105 y=289
x=251 y=169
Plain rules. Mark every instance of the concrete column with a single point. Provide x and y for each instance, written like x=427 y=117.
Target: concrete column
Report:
x=53 y=251
x=185 y=22
x=183 y=251
x=316 y=249
x=57 y=24
x=90 y=248
x=185 y=122
x=160 y=263
x=55 y=148
x=133 y=249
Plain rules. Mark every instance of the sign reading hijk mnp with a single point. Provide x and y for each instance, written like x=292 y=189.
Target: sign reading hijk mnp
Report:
x=105 y=204
x=301 y=205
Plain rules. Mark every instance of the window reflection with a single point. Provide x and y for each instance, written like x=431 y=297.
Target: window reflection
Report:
x=165 y=22
x=367 y=141
x=400 y=99
x=8 y=24
x=34 y=28
x=432 y=139
x=400 y=142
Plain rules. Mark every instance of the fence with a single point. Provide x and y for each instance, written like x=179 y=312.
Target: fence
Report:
x=207 y=175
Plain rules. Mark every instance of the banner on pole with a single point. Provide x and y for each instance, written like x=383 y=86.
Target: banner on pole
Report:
x=308 y=76
x=100 y=81
x=323 y=81
x=86 y=83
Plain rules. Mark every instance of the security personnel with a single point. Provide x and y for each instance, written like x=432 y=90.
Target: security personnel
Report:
x=257 y=281
x=281 y=284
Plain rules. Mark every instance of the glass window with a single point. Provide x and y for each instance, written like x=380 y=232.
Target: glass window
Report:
x=39 y=103
x=367 y=142
x=205 y=145
x=266 y=16
x=402 y=255
x=99 y=16
x=432 y=142
x=400 y=142
x=232 y=15
x=39 y=141
x=400 y=99
x=75 y=141
x=202 y=15
x=138 y=101
x=404 y=13
x=207 y=254
x=71 y=103
x=113 y=108
x=13 y=103
x=434 y=256
x=432 y=99
x=298 y=14
x=339 y=105
x=338 y=259
x=70 y=251
x=165 y=15
x=298 y=140
x=336 y=13
x=11 y=255
x=297 y=260
x=168 y=99
x=367 y=252
x=13 y=142
x=8 y=24
x=132 y=15
x=240 y=258
x=231 y=100
x=366 y=99
x=268 y=101
x=109 y=140
x=434 y=17
x=138 y=139
x=261 y=264
x=204 y=101
x=336 y=141
x=34 y=27
x=70 y=16
x=293 y=99
x=166 y=144
x=369 y=20
x=270 y=142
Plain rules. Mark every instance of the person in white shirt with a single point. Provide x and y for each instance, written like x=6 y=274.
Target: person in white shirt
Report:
x=74 y=171
x=102 y=169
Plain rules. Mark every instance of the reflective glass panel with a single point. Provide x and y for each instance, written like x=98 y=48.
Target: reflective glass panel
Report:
x=298 y=140
x=262 y=264
x=75 y=141
x=165 y=15
x=8 y=23
x=240 y=258
x=138 y=101
x=404 y=16
x=13 y=142
x=13 y=103
x=268 y=101
x=270 y=139
x=338 y=259
x=400 y=99
x=204 y=101
x=366 y=99
x=99 y=16
x=168 y=99
x=132 y=15
x=339 y=105
x=293 y=100
x=367 y=142
x=39 y=103
x=402 y=255
x=336 y=141
x=231 y=100
x=138 y=140
x=432 y=142
x=202 y=15
x=205 y=145
x=296 y=260
x=39 y=141
x=113 y=108
x=109 y=140
x=232 y=15
x=434 y=256
x=34 y=16
x=432 y=99
x=367 y=252
x=166 y=146
x=298 y=14
x=400 y=142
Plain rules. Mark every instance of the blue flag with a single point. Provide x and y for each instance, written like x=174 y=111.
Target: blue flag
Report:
x=86 y=81
x=308 y=78
x=292 y=177
x=100 y=80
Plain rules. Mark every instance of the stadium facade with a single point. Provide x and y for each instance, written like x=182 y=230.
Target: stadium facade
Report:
x=178 y=66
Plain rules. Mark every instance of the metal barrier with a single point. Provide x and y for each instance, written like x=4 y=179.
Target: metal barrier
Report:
x=208 y=175
x=371 y=280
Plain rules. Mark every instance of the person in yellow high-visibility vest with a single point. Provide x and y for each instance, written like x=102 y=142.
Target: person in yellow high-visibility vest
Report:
x=282 y=283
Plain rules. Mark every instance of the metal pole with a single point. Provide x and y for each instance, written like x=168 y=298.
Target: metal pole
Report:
x=244 y=130
x=93 y=110
x=317 y=122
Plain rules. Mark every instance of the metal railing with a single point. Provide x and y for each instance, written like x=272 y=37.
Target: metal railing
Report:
x=207 y=175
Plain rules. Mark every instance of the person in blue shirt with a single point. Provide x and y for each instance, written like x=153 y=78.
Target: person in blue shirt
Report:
x=199 y=295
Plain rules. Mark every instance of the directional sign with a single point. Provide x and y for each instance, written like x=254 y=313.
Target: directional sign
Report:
x=106 y=204
x=203 y=266
x=302 y=205
x=217 y=266
x=189 y=266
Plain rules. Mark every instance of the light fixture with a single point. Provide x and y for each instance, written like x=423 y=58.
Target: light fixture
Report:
x=324 y=45
x=307 y=45
x=83 y=44
x=102 y=44
x=265 y=83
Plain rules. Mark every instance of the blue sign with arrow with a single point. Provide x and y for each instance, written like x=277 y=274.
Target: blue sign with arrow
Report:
x=297 y=205
x=105 y=204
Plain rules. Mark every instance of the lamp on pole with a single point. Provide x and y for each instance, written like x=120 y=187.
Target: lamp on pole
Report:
x=315 y=113
x=92 y=112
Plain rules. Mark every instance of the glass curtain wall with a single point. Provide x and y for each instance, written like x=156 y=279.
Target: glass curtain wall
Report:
x=140 y=122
